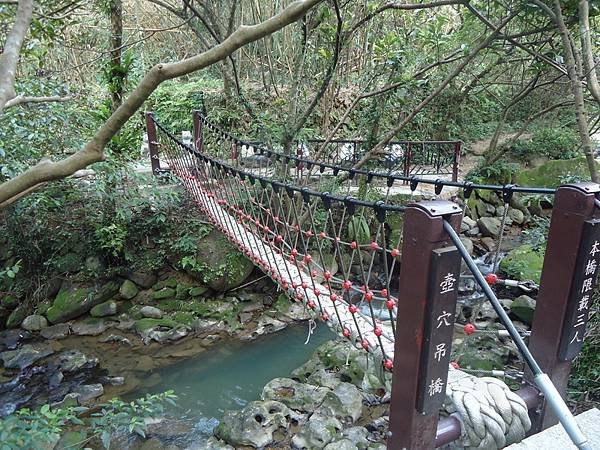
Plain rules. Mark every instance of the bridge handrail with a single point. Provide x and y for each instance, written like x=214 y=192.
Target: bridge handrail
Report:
x=326 y=197
x=467 y=186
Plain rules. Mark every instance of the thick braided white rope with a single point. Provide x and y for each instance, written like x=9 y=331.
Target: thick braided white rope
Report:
x=491 y=415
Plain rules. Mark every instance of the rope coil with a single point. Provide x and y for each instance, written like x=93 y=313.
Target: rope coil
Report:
x=491 y=415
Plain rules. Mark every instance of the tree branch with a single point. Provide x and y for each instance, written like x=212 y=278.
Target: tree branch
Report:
x=375 y=151
x=502 y=148
x=403 y=7
x=326 y=80
x=21 y=99
x=93 y=151
x=12 y=47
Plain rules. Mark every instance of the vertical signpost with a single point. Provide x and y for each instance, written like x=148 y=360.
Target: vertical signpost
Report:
x=424 y=324
x=568 y=278
x=584 y=281
x=438 y=330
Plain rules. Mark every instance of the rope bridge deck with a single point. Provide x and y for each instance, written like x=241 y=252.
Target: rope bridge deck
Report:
x=385 y=276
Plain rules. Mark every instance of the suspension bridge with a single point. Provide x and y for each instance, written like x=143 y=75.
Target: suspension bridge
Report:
x=384 y=275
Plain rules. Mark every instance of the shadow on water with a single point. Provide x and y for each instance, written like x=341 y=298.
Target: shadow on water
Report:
x=233 y=373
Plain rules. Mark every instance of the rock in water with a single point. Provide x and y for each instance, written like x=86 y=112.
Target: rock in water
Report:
x=128 y=290
x=58 y=331
x=35 y=322
x=89 y=391
x=254 y=425
x=151 y=312
x=24 y=356
x=108 y=308
x=74 y=360
x=92 y=327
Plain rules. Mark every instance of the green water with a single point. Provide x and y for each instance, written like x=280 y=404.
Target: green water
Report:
x=231 y=374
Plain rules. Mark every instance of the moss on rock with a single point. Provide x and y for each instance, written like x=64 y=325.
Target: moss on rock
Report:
x=523 y=263
x=146 y=324
x=164 y=293
x=71 y=303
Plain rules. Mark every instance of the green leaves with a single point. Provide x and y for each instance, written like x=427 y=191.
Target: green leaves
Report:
x=27 y=429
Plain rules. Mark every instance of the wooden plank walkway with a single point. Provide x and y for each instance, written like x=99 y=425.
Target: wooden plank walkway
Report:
x=258 y=248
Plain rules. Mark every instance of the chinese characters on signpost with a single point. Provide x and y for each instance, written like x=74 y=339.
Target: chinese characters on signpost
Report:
x=439 y=327
x=580 y=300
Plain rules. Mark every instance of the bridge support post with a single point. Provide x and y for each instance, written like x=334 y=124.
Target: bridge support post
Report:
x=456 y=161
x=413 y=423
x=198 y=126
x=152 y=143
x=568 y=276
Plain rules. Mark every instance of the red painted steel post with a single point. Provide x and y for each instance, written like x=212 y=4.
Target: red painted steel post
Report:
x=457 y=146
x=423 y=234
x=198 y=125
x=152 y=143
x=561 y=287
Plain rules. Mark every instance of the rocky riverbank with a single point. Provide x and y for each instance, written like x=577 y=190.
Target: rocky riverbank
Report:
x=107 y=350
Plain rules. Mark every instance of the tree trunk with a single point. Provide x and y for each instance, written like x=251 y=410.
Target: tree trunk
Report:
x=577 y=89
x=117 y=74
x=589 y=64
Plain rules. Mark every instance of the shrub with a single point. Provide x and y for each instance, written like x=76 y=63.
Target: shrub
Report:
x=552 y=142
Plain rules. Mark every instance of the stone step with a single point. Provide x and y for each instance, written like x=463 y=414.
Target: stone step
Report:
x=556 y=437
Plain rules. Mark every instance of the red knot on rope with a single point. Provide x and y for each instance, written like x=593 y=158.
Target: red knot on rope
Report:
x=491 y=415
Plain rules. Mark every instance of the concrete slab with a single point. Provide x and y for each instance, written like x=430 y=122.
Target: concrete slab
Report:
x=556 y=437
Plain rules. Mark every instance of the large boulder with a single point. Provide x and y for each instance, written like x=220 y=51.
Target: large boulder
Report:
x=523 y=307
x=25 y=356
x=55 y=332
x=517 y=216
x=489 y=226
x=552 y=173
x=317 y=433
x=254 y=425
x=35 y=322
x=151 y=312
x=73 y=302
x=295 y=395
x=219 y=264
x=344 y=402
x=128 y=290
x=108 y=308
x=16 y=317
x=143 y=279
